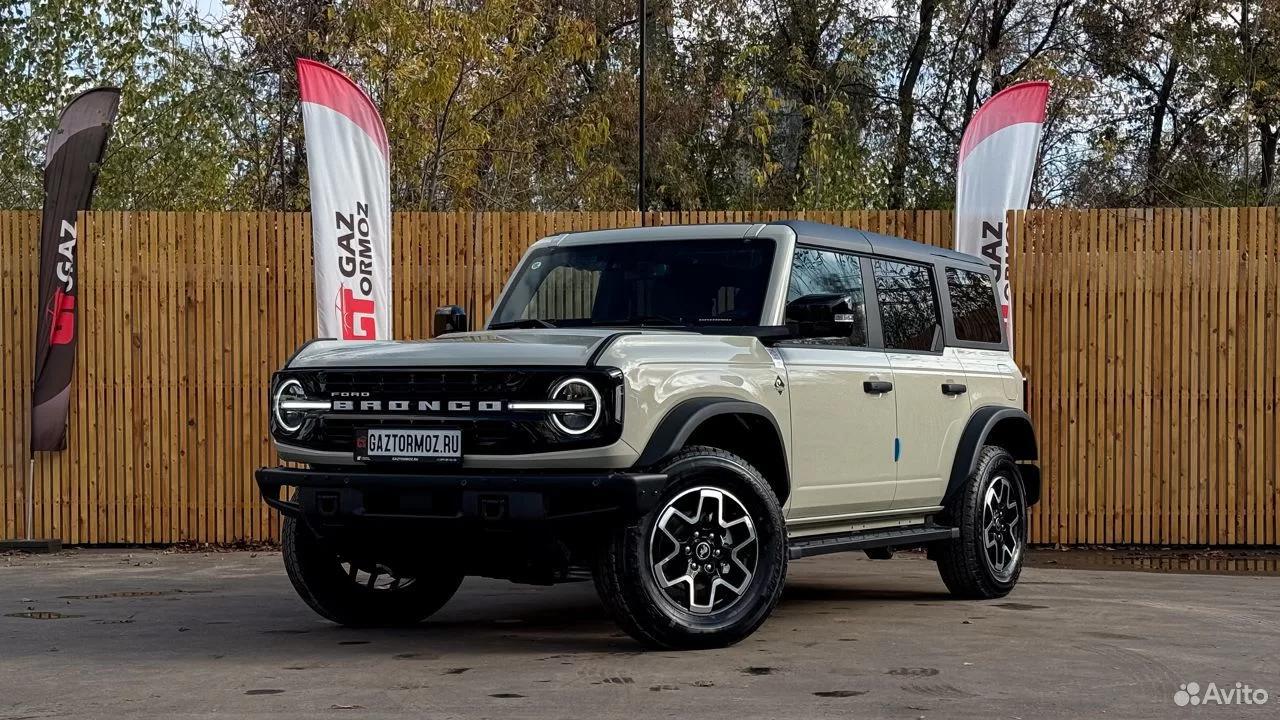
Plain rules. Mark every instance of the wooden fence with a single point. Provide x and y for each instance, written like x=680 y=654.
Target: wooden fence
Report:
x=1149 y=337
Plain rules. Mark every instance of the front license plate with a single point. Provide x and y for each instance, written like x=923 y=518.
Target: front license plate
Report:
x=409 y=445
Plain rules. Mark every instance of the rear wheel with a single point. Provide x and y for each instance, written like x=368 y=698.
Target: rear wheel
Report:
x=705 y=568
x=991 y=512
x=357 y=591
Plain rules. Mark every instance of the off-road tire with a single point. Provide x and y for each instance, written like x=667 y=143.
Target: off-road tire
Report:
x=313 y=568
x=962 y=564
x=625 y=580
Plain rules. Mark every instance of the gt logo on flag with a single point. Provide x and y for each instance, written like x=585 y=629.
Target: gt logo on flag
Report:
x=63 y=331
x=359 y=321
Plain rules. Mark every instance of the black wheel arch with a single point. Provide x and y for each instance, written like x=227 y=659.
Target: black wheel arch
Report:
x=1011 y=429
x=738 y=426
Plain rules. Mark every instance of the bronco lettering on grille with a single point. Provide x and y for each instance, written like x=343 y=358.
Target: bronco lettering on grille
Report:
x=419 y=406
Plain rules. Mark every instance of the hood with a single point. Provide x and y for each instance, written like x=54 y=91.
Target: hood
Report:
x=473 y=349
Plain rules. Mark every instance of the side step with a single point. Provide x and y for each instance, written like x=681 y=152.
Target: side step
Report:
x=885 y=537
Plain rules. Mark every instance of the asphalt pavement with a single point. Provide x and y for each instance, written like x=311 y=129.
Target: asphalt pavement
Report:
x=151 y=633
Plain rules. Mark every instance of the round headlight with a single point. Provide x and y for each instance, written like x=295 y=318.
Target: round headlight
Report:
x=289 y=420
x=576 y=422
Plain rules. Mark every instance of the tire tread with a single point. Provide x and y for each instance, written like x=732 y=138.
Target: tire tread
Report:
x=960 y=563
x=336 y=603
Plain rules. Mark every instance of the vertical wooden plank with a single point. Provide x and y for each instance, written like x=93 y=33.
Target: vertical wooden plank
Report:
x=1162 y=340
x=10 y=270
x=198 y=450
x=1250 y=462
x=1198 y=499
x=1233 y=327
x=167 y=402
x=1270 y=518
x=1187 y=363
x=1070 y=366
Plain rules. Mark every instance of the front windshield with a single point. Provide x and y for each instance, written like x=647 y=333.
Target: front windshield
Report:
x=653 y=283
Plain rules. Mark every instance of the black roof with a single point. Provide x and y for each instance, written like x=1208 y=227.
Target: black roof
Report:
x=843 y=238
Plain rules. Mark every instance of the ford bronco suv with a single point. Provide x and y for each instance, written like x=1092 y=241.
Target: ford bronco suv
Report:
x=674 y=412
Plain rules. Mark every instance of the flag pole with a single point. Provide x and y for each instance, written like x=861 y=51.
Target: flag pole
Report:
x=644 y=36
x=31 y=472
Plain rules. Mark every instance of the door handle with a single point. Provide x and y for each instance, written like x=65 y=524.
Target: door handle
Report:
x=876 y=387
x=953 y=389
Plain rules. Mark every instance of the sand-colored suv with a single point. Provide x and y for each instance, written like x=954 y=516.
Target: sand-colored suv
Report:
x=675 y=412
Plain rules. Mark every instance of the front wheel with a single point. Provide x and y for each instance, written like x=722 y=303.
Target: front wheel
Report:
x=991 y=512
x=360 y=592
x=706 y=567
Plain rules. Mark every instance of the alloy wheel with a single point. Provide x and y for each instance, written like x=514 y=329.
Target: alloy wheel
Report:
x=1003 y=528
x=374 y=577
x=703 y=550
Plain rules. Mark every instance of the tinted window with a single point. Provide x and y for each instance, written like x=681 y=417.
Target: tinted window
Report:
x=823 y=281
x=973 y=306
x=908 y=308
x=671 y=282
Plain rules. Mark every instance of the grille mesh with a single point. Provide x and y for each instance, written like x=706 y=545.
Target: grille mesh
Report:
x=505 y=433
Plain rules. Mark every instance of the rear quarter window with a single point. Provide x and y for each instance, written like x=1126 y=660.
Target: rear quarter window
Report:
x=973 y=306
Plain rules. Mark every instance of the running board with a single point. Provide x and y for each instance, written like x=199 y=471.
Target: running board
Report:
x=804 y=547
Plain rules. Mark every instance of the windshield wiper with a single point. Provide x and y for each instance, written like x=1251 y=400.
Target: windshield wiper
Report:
x=648 y=320
x=523 y=323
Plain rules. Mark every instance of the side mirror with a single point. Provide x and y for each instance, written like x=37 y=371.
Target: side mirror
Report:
x=450 y=319
x=831 y=315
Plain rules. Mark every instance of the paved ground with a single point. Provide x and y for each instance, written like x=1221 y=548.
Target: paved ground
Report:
x=148 y=633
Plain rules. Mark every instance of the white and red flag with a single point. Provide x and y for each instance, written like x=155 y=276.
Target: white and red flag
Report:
x=997 y=160
x=349 y=166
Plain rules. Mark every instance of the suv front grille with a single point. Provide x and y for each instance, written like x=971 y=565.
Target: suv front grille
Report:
x=484 y=433
x=423 y=384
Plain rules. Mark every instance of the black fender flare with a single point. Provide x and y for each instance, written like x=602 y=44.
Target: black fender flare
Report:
x=1019 y=439
x=675 y=428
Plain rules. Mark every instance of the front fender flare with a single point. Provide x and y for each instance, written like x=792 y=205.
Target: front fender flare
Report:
x=675 y=428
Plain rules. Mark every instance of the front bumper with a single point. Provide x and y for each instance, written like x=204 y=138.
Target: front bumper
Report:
x=337 y=498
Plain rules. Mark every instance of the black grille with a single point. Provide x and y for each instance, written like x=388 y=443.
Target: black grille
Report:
x=489 y=433
x=430 y=385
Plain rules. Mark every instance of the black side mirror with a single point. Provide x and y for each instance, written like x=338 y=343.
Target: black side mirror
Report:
x=450 y=319
x=833 y=315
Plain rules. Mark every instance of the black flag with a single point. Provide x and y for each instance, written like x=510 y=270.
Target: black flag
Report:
x=70 y=170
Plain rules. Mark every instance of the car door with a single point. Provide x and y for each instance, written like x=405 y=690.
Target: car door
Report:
x=928 y=380
x=991 y=375
x=842 y=435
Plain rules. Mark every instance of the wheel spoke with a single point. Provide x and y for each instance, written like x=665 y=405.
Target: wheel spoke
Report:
x=375 y=577
x=702 y=549
x=1002 y=523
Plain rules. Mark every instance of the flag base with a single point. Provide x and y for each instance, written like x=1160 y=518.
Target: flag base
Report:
x=46 y=545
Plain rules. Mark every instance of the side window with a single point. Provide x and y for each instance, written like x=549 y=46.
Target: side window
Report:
x=908 y=305
x=825 y=301
x=973 y=306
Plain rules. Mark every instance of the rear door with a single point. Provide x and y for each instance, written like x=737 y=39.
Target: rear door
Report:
x=928 y=386
x=992 y=376
x=842 y=435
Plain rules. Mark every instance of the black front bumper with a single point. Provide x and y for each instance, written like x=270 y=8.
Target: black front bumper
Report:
x=339 y=498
